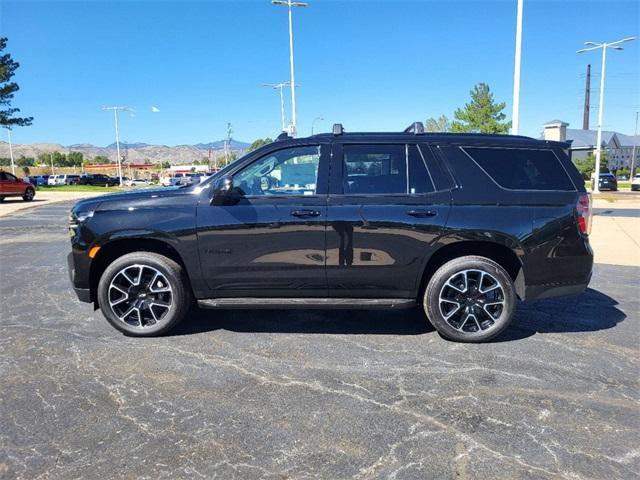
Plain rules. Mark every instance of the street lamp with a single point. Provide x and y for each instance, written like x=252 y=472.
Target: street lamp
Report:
x=515 y=116
x=290 y=4
x=279 y=86
x=115 y=118
x=314 y=123
x=603 y=46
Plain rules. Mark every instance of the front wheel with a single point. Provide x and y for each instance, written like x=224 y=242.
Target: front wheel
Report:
x=29 y=193
x=144 y=294
x=470 y=299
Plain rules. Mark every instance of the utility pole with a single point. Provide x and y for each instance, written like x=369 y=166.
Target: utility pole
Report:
x=633 y=152
x=515 y=116
x=227 y=144
x=53 y=172
x=280 y=86
x=291 y=4
x=594 y=46
x=116 y=110
x=13 y=165
x=587 y=100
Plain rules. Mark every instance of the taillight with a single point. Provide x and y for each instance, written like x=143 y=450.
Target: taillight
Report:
x=583 y=209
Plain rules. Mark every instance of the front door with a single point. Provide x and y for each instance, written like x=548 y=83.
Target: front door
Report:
x=10 y=185
x=385 y=216
x=270 y=240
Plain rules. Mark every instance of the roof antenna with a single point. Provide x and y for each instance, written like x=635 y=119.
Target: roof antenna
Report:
x=337 y=129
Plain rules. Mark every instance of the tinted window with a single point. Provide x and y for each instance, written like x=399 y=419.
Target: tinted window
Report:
x=522 y=169
x=419 y=178
x=371 y=169
x=291 y=171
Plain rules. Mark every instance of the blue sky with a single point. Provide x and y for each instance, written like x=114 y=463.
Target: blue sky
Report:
x=370 y=65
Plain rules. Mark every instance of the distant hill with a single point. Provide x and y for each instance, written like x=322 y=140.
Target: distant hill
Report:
x=136 y=152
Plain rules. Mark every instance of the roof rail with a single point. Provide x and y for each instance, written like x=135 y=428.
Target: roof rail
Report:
x=337 y=129
x=417 y=128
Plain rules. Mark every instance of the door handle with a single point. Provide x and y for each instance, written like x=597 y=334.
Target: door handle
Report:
x=421 y=213
x=305 y=213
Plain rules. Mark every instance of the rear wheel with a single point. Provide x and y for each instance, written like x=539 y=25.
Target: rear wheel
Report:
x=144 y=294
x=29 y=193
x=470 y=299
x=1 y=199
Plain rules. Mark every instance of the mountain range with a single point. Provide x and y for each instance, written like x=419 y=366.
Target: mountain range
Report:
x=135 y=152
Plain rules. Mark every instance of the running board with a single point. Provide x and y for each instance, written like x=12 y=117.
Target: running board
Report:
x=328 y=303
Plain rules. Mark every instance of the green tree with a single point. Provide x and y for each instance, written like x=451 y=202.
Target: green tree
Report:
x=165 y=165
x=587 y=165
x=75 y=159
x=25 y=162
x=440 y=124
x=7 y=89
x=259 y=143
x=100 y=160
x=482 y=114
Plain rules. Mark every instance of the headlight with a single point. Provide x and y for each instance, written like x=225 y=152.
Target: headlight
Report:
x=76 y=218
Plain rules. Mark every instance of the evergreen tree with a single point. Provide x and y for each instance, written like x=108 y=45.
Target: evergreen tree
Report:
x=7 y=89
x=482 y=114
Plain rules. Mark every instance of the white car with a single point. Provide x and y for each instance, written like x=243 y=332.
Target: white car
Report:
x=635 y=183
x=136 y=182
x=62 y=179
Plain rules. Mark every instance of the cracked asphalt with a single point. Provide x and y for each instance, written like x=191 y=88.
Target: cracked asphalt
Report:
x=309 y=394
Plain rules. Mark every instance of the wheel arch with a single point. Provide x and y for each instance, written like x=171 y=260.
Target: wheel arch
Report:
x=116 y=248
x=500 y=253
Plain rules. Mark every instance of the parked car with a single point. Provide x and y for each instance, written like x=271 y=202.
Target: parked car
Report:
x=635 y=183
x=11 y=186
x=176 y=180
x=98 y=179
x=464 y=225
x=40 y=179
x=607 y=181
x=136 y=182
x=63 y=179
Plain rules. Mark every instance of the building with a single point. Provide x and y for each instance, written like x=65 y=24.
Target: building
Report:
x=619 y=147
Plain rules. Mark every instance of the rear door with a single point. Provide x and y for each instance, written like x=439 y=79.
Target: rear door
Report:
x=388 y=206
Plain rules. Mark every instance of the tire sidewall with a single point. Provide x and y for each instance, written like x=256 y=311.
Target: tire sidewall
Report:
x=440 y=277
x=29 y=193
x=174 y=275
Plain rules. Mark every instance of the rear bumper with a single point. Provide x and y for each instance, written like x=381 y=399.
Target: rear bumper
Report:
x=537 y=292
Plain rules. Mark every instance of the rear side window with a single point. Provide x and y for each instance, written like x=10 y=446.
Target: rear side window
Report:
x=375 y=169
x=521 y=169
x=387 y=169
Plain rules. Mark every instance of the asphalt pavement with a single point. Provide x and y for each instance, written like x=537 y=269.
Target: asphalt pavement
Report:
x=309 y=394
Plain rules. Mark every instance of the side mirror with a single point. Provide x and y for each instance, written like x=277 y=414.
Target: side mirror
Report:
x=222 y=190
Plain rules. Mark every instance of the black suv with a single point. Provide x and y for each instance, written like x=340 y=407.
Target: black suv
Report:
x=98 y=179
x=462 y=224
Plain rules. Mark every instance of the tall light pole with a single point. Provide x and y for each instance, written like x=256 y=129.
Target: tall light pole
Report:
x=279 y=86
x=594 y=46
x=515 y=116
x=313 y=124
x=291 y=4
x=116 y=110
x=13 y=165
x=633 y=151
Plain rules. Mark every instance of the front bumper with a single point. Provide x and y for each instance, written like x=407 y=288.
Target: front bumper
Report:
x=83 y=294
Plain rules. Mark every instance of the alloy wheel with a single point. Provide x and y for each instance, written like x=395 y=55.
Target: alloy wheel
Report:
x=471 y=301
x=140 y=296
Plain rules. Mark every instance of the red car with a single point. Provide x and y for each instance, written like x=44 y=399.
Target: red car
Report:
x=11 y=186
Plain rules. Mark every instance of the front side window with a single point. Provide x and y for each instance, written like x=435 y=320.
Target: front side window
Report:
x=291 y=171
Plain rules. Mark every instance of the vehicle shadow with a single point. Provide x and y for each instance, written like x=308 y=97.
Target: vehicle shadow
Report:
x=10 y=200
x=591 y=311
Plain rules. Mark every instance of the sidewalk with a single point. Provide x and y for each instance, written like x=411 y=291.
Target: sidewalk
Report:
x=615 y=233
x=11 y=205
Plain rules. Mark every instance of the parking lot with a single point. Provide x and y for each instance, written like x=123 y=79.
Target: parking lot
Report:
x=311 y=394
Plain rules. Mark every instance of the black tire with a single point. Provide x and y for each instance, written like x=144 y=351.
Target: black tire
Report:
x=1 y=199
x=29 y=193
x=179 y=298
x=488 y=320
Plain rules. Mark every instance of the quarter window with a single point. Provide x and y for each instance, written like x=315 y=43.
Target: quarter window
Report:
x=291 y=171
x=521 y=169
